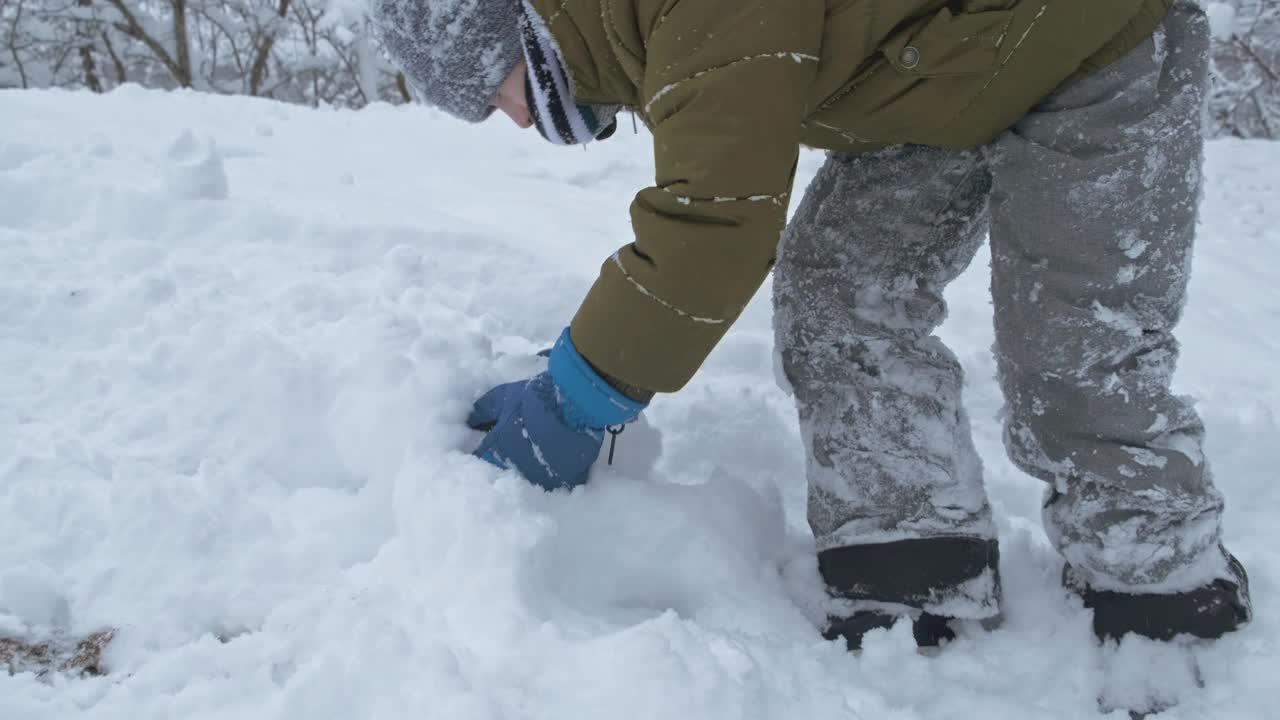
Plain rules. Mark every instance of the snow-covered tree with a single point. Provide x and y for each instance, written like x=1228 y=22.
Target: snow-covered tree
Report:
x=1245 y=101
x=42 y=44
x=304 y=51
x=320 y=52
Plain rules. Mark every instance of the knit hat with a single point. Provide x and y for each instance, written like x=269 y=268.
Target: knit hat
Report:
x=455 y=53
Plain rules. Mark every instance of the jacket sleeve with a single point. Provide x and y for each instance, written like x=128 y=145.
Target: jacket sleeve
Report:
x=725 y=91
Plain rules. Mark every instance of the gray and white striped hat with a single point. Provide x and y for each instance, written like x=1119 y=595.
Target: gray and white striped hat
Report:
x=455 y=53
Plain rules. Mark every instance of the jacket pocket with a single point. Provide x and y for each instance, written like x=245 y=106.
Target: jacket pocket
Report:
x=949 y=44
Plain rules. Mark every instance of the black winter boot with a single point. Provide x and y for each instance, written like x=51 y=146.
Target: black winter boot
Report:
x=912 y=573
x=1208 y=612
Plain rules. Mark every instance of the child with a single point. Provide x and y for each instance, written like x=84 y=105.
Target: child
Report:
x=1068 y=129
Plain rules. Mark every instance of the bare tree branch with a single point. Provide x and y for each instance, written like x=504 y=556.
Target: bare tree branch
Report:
x=121 y=74
x=403 y=86
x=232 y=37
x=302 y=51
x=1248 y=50
x=259 y=71
x=134 y=29
x=14 y=31
x=181 y=45
x=87 y=64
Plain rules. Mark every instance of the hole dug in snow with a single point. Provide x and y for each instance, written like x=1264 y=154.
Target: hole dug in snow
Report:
x=626 y=551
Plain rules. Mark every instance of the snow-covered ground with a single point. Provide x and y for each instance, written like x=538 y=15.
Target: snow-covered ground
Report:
x=237 y=343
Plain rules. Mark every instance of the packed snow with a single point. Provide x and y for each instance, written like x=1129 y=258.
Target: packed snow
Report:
x=1222 y=19
x=238 y=340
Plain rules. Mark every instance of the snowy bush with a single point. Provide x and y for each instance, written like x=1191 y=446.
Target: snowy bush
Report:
x=1246 y=68
x=303 y=51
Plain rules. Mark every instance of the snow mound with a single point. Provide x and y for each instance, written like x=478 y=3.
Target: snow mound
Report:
x=195 y=170
x=237 y=343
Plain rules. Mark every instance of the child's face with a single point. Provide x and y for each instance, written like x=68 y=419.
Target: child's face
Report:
x=511 y=99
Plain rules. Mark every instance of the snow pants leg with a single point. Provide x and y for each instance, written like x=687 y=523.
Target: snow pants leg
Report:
x=1092 y=202
x=1093 y=214
x=896 y=498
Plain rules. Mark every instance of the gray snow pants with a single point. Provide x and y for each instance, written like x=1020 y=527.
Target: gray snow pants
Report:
x=1091 y=203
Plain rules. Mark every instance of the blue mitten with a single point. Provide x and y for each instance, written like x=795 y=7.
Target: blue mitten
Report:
x=551 y=427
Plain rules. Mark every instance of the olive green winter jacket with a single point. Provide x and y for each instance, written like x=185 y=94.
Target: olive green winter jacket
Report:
x=732 y=88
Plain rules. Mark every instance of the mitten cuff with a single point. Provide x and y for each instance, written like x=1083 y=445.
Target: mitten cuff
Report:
x=587 y=400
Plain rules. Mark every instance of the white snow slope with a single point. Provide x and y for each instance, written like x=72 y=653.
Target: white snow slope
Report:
x=237 y=343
